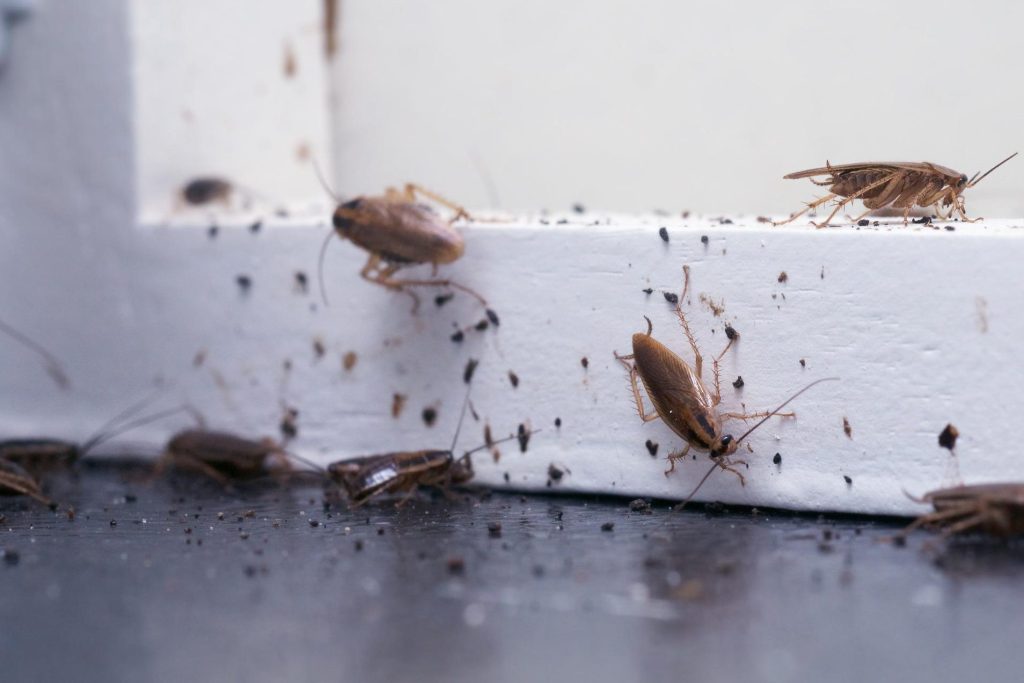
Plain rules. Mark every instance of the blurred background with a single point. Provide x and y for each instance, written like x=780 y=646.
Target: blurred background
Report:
x=616 y=105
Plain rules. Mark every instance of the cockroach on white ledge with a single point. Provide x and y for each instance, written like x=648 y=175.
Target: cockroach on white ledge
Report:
x=899 y=184
x=399 y=230
x=684 y=402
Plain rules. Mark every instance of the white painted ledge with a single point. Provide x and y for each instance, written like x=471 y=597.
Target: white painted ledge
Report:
x=922 y=325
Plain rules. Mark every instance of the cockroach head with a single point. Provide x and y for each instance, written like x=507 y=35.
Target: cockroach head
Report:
x=342 y=218
x=727 y=445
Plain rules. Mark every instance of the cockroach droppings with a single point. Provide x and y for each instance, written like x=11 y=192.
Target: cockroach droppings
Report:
x=441 y=299
x=584 y=362
x=558 y=423
x=467 y=374
x=731 y=333
x=494 y=529
x=947 y=438
x=513 y=378
x=648 y=291
x=608 y=526
x=777 y=459
x=704 y=240
x=783 y=277
x=212 y=232
x=481 y=326
x=863 y=222
x=318 y=348
x=348 y=361
x=255 y=227
x=429 y=416
x=493 y=317
x=555 y=473
x=456 y=565
x=301 y=282
x=847 y=429
x=244 y=283
x=848 y=480
x=290 y=423
x=458 y=336
x=803 y=363
x=523 y=437
x=579 y=208
x=671 y=297
x=738 y=384
x=663 y=233
x=652 y=447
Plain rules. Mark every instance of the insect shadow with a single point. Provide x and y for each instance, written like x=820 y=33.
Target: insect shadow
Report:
x=683 y=401
x=899 y=184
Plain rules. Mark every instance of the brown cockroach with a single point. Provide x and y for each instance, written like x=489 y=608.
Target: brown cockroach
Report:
x=684 y=402
x=53 y=367
x=899 y=184
x=39 y=455
x=206 y=190
x=222 y=456
x=399 y=230
x=995 y=509
x=15 y=480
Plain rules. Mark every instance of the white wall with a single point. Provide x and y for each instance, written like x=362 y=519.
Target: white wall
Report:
x=697 y=105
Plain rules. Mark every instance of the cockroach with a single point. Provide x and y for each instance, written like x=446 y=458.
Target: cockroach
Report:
x=206 y=190
x=684 y=402
x=399 y=230
x=367 y=477
x=899 y=184
x=222 y=456
x=995 y=509
x=38 y=455
x=15 y=480
x=53 y=367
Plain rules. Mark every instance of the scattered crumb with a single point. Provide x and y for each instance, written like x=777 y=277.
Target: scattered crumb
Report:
x=863 y=222
x=948 y=436
x=397 y=404
x=716 y=308
x=429 y=416
x=847 y=429
x=348 y=361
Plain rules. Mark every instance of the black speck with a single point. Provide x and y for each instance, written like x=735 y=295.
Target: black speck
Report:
x=608 y=526
x=255 y=227
x=429 y=416
x=113 y=522
x=11 y=557
x=513 y=378
x=847 y=479
x=301 y=281
x=523 y=436
x=359 y=545
x=671 y=297
x=579 y=208
x=648 y=291
x=731 y=332
x=923 y=220
x=738 y=384
x=725 y=221
x=456 y=565
x=493 y=317
x=663 y=233
x=130 y=498
x=555 y=473
x=561 y=221
x=584 y=362
x=704 y=240
x=899 y=541
x=481 y=326
x=803 y=363
x=314 y=523
x=441 y=299
x=458 y=336
x=950 y=228
x=494 y=529
x=640 y=505
x=558 y=422
x=863 y=222
x=212 y=231
x=652 y=447
x=244 y=282
x=467 y=374
x=777 y=459
x=380 y=531
x=507 y=478
x=947 y=439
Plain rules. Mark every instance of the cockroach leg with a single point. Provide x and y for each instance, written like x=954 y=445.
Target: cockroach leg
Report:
x=855 y=195
x=698 y=359
x=373 y=272
x=756 y=415
x=810 y=205
x=186 y=462
x=633 y=375
x=673 y=457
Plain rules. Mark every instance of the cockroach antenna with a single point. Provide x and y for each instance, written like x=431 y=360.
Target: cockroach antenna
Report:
x=53 y=367
x=510 y=437
x=323 y=248
x=747 y=433
x=972 y=182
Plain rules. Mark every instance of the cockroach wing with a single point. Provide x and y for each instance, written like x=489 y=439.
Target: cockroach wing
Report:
x=892 y=166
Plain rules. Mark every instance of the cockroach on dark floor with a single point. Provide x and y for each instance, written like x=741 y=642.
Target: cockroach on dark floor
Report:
x=15 y=480
x=994 y=509
x=683 y=401
x=899 y=184
x=367 y=477
x=53 y=367
x=222 y=456
x=399 y=230
x=40 y=455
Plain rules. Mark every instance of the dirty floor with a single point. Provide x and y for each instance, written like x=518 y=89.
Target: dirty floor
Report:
x=178 y=579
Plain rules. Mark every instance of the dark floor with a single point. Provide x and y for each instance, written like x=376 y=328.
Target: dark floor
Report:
x=179 y=580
